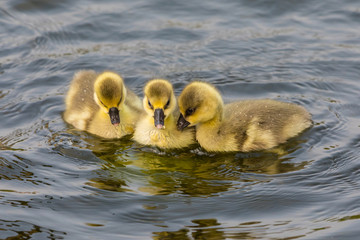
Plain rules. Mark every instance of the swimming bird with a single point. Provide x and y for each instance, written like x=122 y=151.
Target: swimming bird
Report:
x=157 y=126
x=101 y=104
x=248 y=125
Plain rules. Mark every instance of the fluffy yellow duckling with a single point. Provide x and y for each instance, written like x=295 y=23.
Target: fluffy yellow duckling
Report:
x=158 y=125
x=248 y=125
x=101 y=104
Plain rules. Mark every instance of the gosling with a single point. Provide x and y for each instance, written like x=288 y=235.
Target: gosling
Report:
x=101 y=104
x=157 y=126
x=249 y=125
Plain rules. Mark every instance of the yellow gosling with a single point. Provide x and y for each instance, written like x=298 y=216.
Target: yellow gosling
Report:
x=157 y=127
x=101 y=104
x=248 y=125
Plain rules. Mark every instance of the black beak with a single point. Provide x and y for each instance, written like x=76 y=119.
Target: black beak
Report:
x=159 y=118
x=182 y=123
x=114 y=116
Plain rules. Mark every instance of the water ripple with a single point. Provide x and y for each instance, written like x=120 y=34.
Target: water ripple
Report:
x=58 y=182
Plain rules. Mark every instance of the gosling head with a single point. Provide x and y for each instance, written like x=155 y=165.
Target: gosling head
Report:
x=199 y=102
x=159 y=101
x=109 y=94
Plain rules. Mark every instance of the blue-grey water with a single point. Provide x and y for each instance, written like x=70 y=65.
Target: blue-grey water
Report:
x=60 y=183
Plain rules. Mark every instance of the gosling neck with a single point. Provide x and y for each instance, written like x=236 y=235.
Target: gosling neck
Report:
x=216 y=120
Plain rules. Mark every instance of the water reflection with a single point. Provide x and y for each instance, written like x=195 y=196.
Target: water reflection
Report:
x=126 y=166
x=22 y=230
x=213 y=229
x=202 y=229
x=13 y=167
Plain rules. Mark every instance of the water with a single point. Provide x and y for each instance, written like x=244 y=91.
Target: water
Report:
x=60 y=183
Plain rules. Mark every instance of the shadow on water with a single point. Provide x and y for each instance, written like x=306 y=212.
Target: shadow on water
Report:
x=126 y=166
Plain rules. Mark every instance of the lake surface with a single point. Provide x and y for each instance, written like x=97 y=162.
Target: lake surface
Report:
x=60 y=183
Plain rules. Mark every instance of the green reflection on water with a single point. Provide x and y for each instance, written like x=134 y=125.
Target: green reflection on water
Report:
x=127 y=166
x=212 y=229
x=352 y=217
x=23 y=230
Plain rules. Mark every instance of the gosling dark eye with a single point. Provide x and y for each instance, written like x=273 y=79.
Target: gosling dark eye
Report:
x=150 y=105
x=189 y=111
x=119 y=101
x=103 y=104
x=167 y=104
